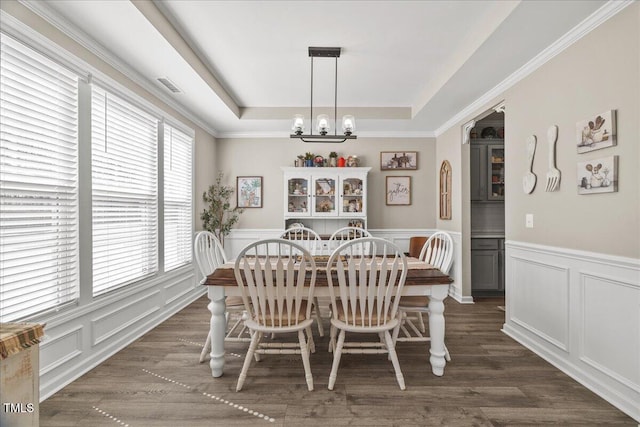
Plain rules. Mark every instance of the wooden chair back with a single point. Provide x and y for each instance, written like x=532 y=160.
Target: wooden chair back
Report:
x=209 y=252
x=365 y=290
x=438 y=251
x=277 y=279
x=306 y=237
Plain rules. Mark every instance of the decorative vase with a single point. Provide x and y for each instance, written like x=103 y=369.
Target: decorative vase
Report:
x=308 y=163
x=341 y=162
x=333 y=162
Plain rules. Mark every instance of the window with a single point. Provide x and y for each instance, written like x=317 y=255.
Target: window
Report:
x=124 y=159
x=178 y=196
x=38 y=182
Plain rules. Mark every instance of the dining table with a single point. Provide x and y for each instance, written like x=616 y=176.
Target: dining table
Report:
x=422 y=280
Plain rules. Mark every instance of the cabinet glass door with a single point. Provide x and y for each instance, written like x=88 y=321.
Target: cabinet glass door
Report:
x=352 y=195
x=495 y=156
x=298 y=197
x=324 y=196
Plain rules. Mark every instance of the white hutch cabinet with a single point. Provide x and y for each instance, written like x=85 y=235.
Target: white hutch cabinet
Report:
x=325 y=199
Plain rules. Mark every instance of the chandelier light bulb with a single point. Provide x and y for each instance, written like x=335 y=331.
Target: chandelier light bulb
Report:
x=298 y=124
x=348 y=124
x=323 y=124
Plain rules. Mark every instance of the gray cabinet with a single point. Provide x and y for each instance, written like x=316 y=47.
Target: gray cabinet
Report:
x=487 y=266
x=487 y=170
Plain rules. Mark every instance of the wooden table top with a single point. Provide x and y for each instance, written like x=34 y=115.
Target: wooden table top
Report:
x=419 y=273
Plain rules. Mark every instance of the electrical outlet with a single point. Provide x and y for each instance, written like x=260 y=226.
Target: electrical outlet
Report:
x=529 y=220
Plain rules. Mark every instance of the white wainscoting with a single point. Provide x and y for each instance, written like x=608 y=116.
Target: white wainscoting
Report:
x=79 y=338
x=238 y=239
x=581 y=312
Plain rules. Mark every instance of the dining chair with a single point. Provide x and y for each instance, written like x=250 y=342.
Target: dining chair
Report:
x=437 y=251
x=210 y=255
x=276 y=290
x=311 y=241
x=365 y=292
x=344 y=234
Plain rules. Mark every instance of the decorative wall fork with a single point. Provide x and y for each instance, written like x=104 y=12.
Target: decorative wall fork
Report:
x=553 y=175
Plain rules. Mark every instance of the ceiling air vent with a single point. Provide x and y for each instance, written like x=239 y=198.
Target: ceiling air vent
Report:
x=169 y=85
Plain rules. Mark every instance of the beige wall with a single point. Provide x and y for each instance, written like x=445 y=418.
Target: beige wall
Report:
x=571 y=87
x=264 y=157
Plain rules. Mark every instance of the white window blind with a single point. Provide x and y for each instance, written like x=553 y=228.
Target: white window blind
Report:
x=178 y=191
x=38 y=183
x=124 y=186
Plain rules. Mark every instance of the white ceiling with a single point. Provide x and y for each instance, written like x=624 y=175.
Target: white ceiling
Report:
x=244 y=69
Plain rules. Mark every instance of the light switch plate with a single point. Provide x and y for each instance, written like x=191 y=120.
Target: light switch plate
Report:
x=529 y=220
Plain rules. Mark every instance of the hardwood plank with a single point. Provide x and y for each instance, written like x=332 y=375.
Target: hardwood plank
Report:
x=491 y=381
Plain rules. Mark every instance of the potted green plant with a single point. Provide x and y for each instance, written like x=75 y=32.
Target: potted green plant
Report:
x=333 y=159
x=219 y=217
x=308 y=159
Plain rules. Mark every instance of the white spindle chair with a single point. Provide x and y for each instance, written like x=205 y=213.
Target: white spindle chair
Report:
x=365 y=292
x=277 y=279
x=344 y=234
x=210 y=255
x=311 y=241
x=437 y=251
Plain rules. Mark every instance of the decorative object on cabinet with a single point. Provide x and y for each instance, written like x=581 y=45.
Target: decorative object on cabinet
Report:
x=308 y=159
x=333 y=159
x=529 y=179
x=249 y=191
x=597 y=133
x=488 y=132
x=318 y=161
x=300 y=161
x=353 y=162
x=341 y=162
x=407 y=160
x=218 y=217
x=398 y=190
x=553 y=174
x=445 y=190
x=598 y=175
x=323 y=125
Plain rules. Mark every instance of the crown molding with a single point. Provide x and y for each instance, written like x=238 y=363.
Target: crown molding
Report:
x=589 y=24
x=285 y=135
x=41 y=9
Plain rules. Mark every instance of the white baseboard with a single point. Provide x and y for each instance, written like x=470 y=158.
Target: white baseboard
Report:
x=590 y=328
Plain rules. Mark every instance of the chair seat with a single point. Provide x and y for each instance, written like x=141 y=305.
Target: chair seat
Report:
x=358 y=315
x=414 y=301
x=268 y=318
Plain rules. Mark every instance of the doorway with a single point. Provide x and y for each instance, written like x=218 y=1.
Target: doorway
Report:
x=487 y=208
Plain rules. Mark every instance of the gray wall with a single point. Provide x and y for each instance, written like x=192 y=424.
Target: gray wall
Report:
x=265 y=156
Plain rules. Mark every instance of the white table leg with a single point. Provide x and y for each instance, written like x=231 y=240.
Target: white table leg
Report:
x=217 y=329
x=436 y=329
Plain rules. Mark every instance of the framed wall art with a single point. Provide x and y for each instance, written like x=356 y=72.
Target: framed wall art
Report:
x=598 y=175
x=445 y=190
x=398 y=190
x=596 y=132
x=249 y=191
x=394 y=160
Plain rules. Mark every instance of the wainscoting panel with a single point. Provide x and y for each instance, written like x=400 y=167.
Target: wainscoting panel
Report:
x=610 y=306
x=78 y=338
x=542 y=303
x=581 y=312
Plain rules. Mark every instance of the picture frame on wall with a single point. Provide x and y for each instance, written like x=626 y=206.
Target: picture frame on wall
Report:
x=597 y=132
x=395 y=160
x=249 y=191
x=598 y=175
x=398 y=190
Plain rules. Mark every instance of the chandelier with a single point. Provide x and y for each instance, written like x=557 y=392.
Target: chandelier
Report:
x=322 y=124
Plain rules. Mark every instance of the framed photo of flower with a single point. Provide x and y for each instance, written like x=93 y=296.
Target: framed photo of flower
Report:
x=249 y=191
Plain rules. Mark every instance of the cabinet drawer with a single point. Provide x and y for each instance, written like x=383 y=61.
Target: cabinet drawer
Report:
x=485 y=244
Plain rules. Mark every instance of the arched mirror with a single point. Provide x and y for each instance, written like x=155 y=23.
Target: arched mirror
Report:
x=445 y=190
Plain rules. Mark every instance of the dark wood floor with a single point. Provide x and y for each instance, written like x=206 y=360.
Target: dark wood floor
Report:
x=491 y=381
